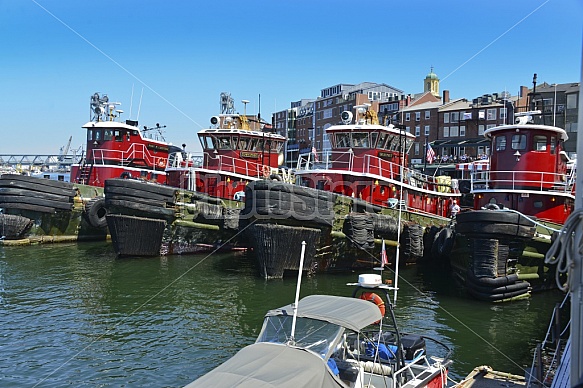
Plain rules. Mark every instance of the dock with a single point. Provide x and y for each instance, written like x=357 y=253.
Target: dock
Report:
x=485 y=377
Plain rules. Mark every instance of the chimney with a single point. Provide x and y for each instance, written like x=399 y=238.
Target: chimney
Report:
x=408 y=99
x=445 y=96
x=523 y=91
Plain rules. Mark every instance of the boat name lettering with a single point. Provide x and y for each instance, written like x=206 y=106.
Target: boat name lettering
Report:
x=156 y=147
x=247 y=154
x=385 y=155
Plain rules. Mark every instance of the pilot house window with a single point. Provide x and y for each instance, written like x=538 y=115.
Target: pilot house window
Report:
x=518 y=142
x=540 y=143
x=500 y=143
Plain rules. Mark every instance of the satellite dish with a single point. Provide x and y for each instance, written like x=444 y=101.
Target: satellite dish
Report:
x=346 y=117
x=214 y=120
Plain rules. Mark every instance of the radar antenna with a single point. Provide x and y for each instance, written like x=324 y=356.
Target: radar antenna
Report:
x=227 y=104
x=98 y=107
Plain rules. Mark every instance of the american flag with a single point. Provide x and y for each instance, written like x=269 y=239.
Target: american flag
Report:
x=384 y=260
x=315 y=154
x=430 y=155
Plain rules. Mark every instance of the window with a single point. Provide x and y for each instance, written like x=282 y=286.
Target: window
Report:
x=446 y=118
x=539 y=143
x=416 y=145
x=491 y=114
x=427 y=130
x=453 y=131
x=518 y=142
x=553 y=144
x=408 y=129
x=463 y=130
x=480 y=129
x=571 y=101
x=417 y=116
x=427 y=114
x=500 y=142
x=445 y=131
x=417 y=131
x=503 y=114
x=455 y=116
x=407 y=116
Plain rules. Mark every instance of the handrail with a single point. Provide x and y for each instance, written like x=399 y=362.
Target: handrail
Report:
x=240 y=166
x=124 y=158
x=370 y=164
x=515 y=180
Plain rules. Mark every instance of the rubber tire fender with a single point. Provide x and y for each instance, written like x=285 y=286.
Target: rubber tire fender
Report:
x=96 y=211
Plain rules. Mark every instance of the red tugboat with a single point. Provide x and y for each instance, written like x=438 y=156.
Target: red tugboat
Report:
x=366 y=161
x=120 y=150
x=347 y=200
x=520 y=201
x=233 y=156
x=198 y=209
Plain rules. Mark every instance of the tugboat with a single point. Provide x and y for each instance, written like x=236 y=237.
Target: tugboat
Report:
x=46 y=210
x=520 y=202
x=347 y=200
x=198 y=210
x=118 y=149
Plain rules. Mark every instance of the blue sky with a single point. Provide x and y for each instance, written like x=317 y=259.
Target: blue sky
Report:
x=178 y=56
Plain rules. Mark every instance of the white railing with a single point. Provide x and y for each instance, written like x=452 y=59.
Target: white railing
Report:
x=373 y=165
x=123 y=158
x=520 y=180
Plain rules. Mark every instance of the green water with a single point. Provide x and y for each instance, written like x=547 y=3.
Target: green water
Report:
x=74 y=315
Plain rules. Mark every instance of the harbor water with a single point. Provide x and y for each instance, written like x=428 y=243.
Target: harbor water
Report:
x=75 y=315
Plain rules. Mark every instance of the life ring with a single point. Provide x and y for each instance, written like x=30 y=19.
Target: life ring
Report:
x=125 y=175
x=162 y=163
x=372 y=297
x=492 y=206
x=266 y=170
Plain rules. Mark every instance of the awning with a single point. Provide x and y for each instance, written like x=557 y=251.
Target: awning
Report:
x=474 y=166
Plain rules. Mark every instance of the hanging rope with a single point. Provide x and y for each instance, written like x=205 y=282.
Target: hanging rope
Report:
x=566 y=248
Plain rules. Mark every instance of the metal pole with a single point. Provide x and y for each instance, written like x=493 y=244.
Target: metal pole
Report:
x=555 y=107
x=293 y=329
x=577 y=271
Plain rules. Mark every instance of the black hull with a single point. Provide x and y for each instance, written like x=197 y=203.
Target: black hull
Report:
x=150 y=220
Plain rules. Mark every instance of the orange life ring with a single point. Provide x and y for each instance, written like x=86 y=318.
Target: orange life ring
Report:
x=266 y=171
x=372 y=297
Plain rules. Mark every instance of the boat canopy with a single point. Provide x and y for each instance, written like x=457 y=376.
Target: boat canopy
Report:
x=271 y=365
x=351 y=313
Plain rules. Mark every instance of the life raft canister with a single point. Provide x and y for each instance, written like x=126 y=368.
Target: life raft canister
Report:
x=372 y=297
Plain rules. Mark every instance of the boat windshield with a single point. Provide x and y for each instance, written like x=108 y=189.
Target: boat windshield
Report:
x=315 y=335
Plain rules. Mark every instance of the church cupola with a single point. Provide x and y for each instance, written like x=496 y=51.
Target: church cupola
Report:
x=431 y=83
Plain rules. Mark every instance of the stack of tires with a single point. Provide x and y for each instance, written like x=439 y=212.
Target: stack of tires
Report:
x=359 y=229
x=489 y=235
x=412 y=242
x=141 y=199
x=137 y=214
x=25 y=193
x=13 y=227
x=272 y=199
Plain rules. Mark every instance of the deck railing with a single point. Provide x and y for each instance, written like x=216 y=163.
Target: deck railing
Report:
x=373 y=165
x=139 y=152
x=521 y=180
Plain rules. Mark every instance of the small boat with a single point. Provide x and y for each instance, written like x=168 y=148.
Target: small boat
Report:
x=334 y=341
